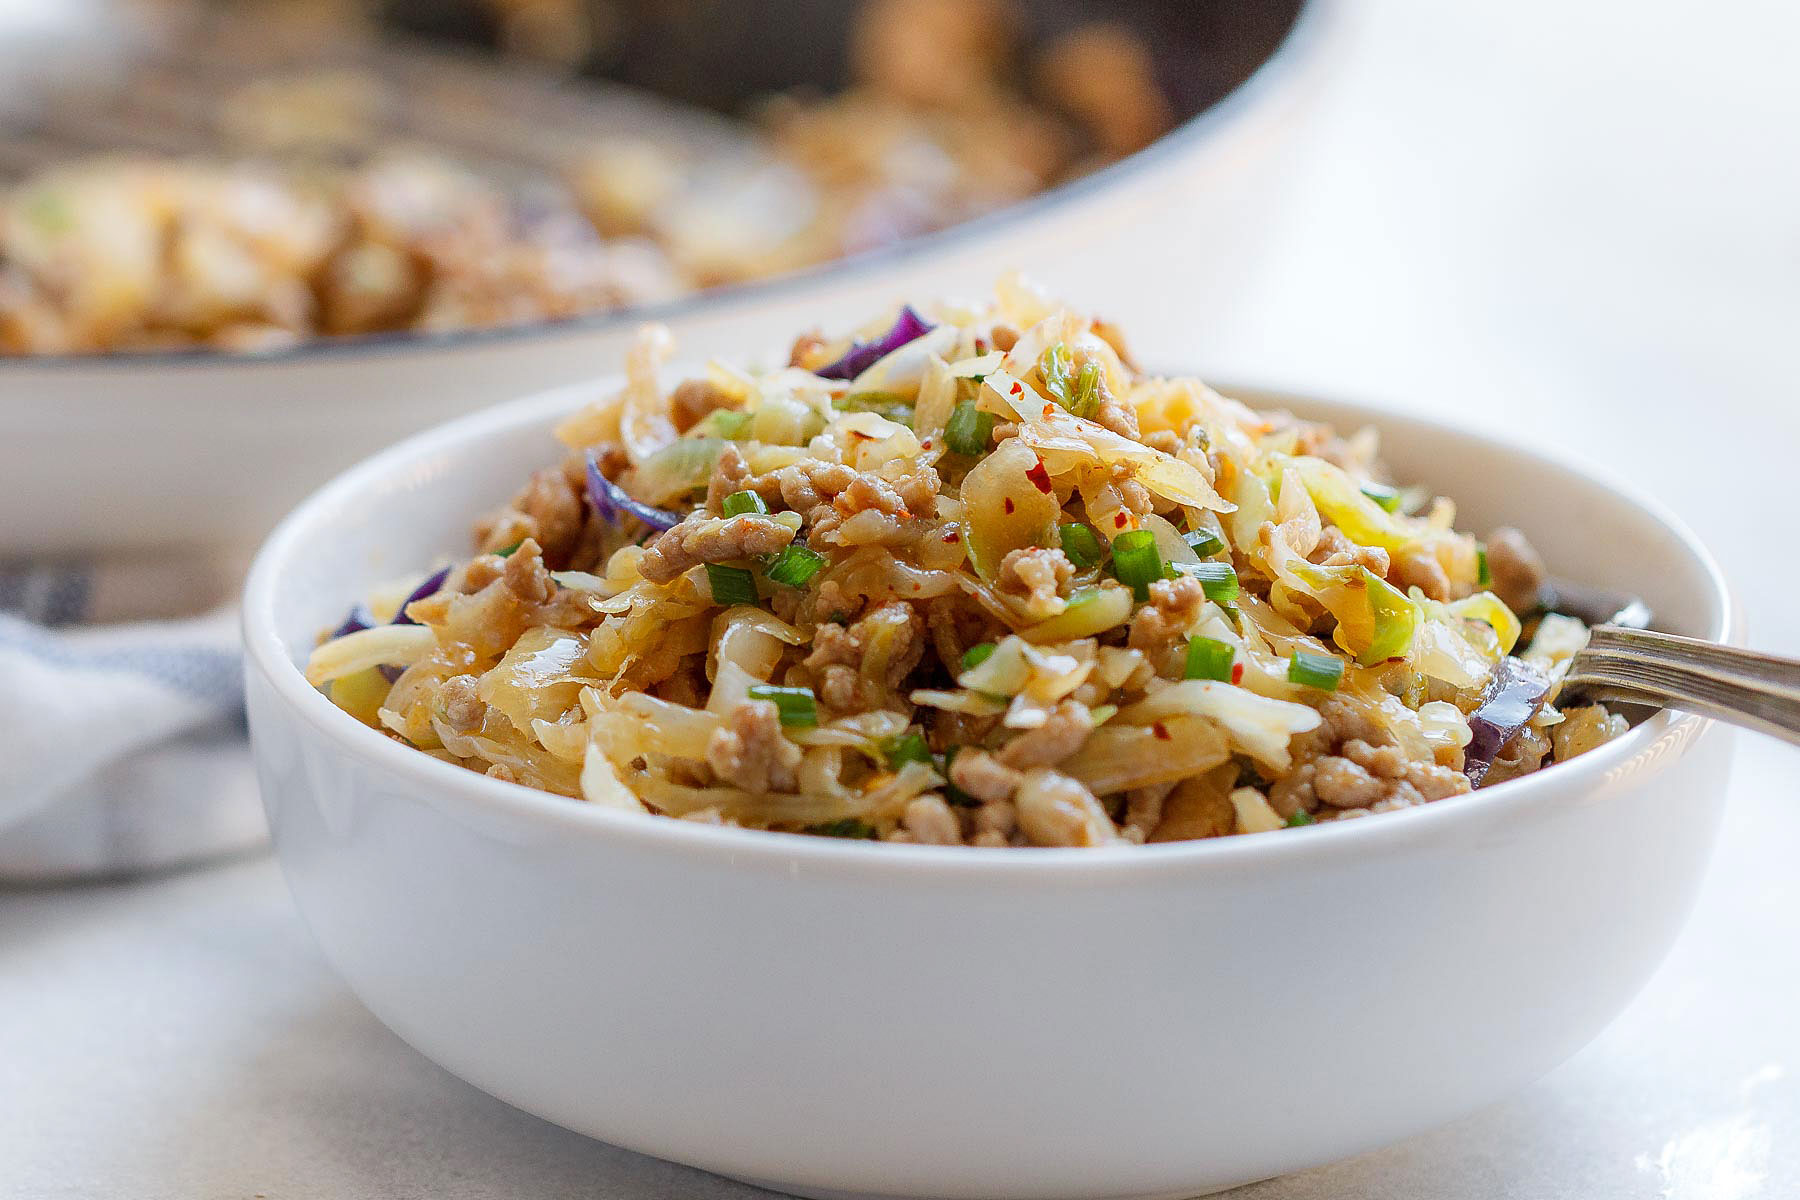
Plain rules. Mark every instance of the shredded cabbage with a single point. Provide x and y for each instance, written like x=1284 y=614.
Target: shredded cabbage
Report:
x=384 y=645
x=891 y=675
x=1257 y=725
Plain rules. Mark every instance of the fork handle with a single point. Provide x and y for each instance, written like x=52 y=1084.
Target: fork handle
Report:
x=1742 y=687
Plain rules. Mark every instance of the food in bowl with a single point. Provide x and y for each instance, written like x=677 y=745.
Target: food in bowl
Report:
x=970 y=577
x=941 y=123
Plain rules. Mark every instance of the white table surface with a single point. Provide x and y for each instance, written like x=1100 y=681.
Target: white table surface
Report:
x=1578 y=217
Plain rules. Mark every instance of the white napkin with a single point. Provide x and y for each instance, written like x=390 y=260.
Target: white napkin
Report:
x=124 y=738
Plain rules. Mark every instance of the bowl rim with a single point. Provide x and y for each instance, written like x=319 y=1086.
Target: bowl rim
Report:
x=1301 y=45
x=1648 y=744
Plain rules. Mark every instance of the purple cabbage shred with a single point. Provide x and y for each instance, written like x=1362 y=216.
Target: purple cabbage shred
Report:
x=610 y=500
x=1513 y=697
x=430 y=587
x=358 y=620
x=908 y=326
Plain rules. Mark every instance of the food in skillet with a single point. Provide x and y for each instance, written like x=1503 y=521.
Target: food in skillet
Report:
x=970 y=577
x=148 y=255
x=330 y=226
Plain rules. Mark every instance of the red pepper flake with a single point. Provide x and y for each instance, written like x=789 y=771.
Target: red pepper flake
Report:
x=925 y=445
x=1040 y=476
x=1018 y=389
x=1237 y=672
x=1010 y=506
x=953 y=537
x=1120 y=519
x=1160 y=730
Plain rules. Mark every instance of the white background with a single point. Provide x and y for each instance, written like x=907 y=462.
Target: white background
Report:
x=1575 y=220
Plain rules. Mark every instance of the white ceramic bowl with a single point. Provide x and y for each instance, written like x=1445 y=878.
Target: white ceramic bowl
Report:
x=208 y=450
x=832 y=1018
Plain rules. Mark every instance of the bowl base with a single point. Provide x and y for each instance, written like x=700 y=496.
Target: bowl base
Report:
x=807 y=1193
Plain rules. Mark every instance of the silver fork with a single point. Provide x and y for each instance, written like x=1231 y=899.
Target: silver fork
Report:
x=1640 y=666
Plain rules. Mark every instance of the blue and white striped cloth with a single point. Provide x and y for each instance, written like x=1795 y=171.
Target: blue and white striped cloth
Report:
x=124 y=730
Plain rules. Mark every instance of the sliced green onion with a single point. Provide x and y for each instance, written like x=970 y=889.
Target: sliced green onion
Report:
x=1080 y=545
x=1311 y=669
x=1076 y=390
x=1084 y=398
x=1484 y=575
x=1209 y=658
x=730 y=585
x=739 y=503
x=1302 y=818
x=1136 y=561
x=1217 y=579
x=845 y=827
x=977 y=654
x=1395 y=619
x=1204 y=542
x=794 y=566
x=508 y=552
x=1389 y=498
x=968 y=429
x=1054 y=365
x=903 y=748
x=795 y=704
